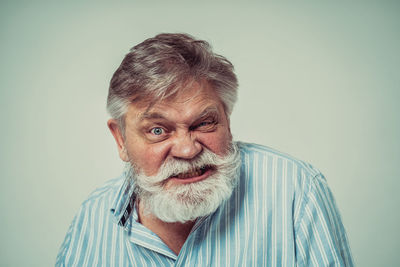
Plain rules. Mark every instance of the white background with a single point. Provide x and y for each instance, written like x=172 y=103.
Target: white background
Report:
x=318 y=81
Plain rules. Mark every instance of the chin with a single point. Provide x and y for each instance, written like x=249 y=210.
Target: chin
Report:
x=187 y=202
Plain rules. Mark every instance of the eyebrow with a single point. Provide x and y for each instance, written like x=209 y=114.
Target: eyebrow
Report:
x=151 y=116
x=211 y=110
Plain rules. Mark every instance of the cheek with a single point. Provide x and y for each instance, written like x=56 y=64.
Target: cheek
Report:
x=149 y=158
x=217 y=142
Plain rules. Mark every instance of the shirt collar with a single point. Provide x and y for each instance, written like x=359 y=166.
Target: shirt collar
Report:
x=124 y=212
x=124 y=201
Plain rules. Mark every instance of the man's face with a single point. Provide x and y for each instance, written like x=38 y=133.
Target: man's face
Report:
x=184 y=162
x=177 y=128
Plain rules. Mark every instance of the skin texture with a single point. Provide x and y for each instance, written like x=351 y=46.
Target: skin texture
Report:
x=179 y=127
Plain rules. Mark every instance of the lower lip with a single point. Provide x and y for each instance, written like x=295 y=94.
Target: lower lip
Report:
x=192 y=179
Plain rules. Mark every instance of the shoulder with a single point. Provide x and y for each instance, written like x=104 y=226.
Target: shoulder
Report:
x=96 y=209
x=93 y=214
x=298 y=192
x=277 y=173
x=106 y=193
x=262 y=156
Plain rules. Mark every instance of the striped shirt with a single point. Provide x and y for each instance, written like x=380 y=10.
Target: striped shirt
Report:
x=281 y=213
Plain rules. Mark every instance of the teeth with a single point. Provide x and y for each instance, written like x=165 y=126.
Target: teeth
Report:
x=192 y=173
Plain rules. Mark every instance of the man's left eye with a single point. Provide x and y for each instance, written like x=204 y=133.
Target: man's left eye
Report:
x=204 y=126
x=205 y=123
x=157 y=131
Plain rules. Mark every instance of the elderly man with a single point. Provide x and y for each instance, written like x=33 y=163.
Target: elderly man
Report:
x=190 y=196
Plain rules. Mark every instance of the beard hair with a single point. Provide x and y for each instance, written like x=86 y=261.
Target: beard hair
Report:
x=186 y=202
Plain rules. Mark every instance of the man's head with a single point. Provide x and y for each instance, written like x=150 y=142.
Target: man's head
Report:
x=170 y=101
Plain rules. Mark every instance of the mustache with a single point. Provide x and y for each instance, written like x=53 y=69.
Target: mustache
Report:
x=173 y=167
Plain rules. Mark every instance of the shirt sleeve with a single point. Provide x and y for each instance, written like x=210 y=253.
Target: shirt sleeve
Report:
x=65 y=247
x=320 y=236
x=73 y=249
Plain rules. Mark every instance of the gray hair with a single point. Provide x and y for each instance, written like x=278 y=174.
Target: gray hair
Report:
x=161 y=66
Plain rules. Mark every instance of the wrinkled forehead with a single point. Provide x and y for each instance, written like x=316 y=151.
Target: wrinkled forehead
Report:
x=190 y=91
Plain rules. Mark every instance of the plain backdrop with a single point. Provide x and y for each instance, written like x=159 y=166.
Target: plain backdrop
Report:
x=319 y=81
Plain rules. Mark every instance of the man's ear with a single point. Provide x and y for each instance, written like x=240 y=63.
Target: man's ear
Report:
x=228 y=119
x=116 y=132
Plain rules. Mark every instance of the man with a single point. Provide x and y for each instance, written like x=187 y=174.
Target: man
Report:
x=190 y=195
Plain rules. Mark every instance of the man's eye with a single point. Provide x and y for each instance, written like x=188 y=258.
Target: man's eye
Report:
x=204 y=123
x=204 y=126
x=157 y=131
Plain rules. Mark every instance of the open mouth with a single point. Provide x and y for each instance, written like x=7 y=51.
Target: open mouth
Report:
x=193 y=173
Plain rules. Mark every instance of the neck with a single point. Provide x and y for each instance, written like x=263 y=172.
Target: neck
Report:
x=173 y=234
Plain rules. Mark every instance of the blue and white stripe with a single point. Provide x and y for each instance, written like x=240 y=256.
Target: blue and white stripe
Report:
x=282 y=213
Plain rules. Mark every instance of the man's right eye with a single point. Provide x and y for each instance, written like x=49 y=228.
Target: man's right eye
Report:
x=157 y=131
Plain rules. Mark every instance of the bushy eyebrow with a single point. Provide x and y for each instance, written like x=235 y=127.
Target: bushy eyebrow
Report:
x=208 y=111
x=151 y=116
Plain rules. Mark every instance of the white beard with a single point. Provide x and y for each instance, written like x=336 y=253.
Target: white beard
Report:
x=186 y=202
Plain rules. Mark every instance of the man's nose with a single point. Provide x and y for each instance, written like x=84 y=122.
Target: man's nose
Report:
x=186 y=147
